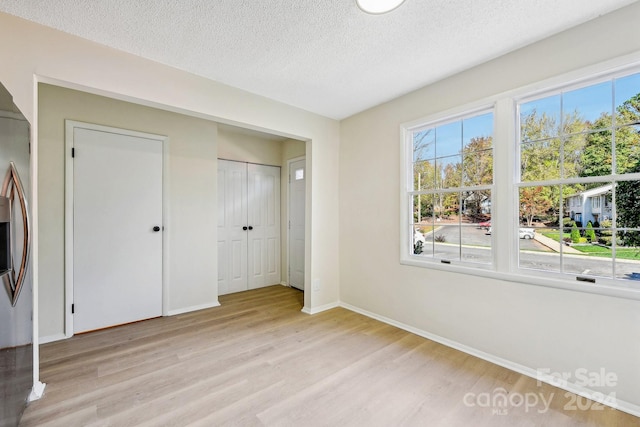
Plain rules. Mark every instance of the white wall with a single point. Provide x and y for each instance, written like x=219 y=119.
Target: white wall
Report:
x=533 y=326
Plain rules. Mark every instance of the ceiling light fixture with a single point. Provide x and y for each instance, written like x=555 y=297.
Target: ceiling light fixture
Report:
x=377 y=7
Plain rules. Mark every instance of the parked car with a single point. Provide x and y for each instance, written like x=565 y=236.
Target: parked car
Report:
x=526 y=233
x=485 y=224
x=523 y=233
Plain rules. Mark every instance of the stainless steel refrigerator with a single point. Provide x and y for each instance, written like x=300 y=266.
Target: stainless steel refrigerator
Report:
x=16 y=301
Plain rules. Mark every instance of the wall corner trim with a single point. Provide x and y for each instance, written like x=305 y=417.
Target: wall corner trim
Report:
x=316 y=310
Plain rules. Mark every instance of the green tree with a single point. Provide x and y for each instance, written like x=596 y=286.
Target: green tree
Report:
x=628 y=209
x=534 y=201
x=477 y=164
x=575 y=234
x=590 y=233
x=597 y=154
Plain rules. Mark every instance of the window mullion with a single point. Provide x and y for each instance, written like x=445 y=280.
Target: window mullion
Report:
x=504 y=171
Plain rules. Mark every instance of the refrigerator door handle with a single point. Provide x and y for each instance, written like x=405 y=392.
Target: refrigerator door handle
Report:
x=12 y=185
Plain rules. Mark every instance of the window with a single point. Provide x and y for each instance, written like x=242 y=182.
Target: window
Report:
x=582 y=144
x=539 y=188
x=450 y=192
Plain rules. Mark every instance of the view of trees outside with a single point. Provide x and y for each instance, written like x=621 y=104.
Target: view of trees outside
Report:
x=579 y=153
x=565 y=141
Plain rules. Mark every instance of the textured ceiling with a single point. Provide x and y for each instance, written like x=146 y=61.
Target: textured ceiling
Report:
x=324 y=56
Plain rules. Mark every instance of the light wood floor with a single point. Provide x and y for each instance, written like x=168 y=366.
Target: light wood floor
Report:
x=257 y=360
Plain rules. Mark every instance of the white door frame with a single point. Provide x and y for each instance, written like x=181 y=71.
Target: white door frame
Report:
x=70 y=125
x=289 y=162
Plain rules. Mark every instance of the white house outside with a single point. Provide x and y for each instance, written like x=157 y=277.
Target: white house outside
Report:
x=592 y=205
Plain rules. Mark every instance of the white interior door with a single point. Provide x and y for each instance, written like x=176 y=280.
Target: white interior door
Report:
x=297 y=179
x=263 y=225
x=248 y=226
x=117 y=254
x=232 y=218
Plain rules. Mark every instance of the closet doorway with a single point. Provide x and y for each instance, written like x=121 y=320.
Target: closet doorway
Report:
x=248 y=226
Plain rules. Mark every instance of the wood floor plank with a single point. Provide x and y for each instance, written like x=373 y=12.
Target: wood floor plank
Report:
x=257 y=360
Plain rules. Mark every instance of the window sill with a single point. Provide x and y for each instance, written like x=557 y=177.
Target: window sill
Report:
x=617 y=291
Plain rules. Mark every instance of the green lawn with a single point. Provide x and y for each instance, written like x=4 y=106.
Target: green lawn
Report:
x=555 y=235
x=599 y=251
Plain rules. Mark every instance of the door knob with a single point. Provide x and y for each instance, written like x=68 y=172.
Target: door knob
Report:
x=244 y=228
x=250 y=227
x=156 y=228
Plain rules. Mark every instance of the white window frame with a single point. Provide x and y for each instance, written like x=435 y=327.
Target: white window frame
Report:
x=505 y=197
x=407 y=256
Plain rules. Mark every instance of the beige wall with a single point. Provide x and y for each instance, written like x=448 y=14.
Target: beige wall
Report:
x=249 y=148
x=46 y=55
x=532 y=326
x=191 y=168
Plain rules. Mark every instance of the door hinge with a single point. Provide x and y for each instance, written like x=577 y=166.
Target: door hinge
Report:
x=73 y=308
x=73 y=152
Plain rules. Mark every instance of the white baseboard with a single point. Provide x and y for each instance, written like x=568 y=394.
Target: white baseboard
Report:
x=37 y=391
x=193 y=308
x=316 y=310
x=52 y=338
x=621 y=405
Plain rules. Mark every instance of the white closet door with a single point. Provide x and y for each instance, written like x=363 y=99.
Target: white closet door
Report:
x=232 y=218
x=264 y=225
x=117 y=253
x=248 y=226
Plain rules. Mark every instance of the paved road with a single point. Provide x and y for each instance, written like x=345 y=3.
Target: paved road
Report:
x=476 y=247
x=474 y=236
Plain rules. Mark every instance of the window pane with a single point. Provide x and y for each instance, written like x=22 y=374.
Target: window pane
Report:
x=542 y=252
x=627 y=202
x=442 y=219
x=476 y=206
x=627 y=148
x=422 y=209
x=447 y=241
x=449 y=139
x=595 y=158
x=424 y=176
x=627 y=254
x=540 y=119
x=420 y=245
x=539 y=204
x=573 y=155
x=477 y=167
x=476 y=128
x=476 y=244
x=449 y=171
x=627 y=98
x=587 y=104
x=424 y=146
x=447 y=207
x=540 y=160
